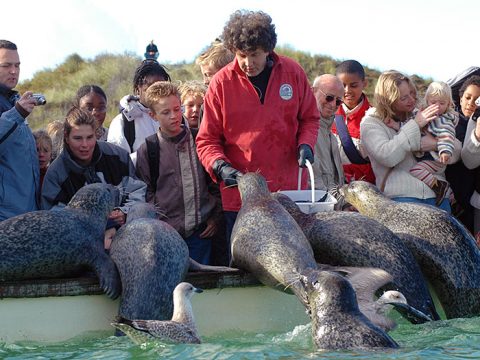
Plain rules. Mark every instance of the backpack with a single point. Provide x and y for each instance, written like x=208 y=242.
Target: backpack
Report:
x=153 y=153
x=129 y=131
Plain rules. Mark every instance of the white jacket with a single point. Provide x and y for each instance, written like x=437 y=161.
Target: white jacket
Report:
x=144 y=125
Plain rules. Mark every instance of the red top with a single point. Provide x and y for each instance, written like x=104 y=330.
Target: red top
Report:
x=252 y=136
x=356 y=171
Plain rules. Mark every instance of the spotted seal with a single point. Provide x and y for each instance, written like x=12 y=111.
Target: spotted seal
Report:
x=444 y=249
x=266 y=241
x=343 y=238
x=52 y=244
x=337 y=322
x=152 y=258
x=180 y=329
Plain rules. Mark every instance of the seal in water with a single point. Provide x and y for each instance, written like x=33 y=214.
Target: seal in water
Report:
x=343 y=238
x=49 y=244
x=152 y=258
x=267 y=242
x=181 y=329
x=444 y=249
x=337 y=322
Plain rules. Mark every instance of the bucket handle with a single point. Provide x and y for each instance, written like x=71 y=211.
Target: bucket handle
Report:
x=312 y=178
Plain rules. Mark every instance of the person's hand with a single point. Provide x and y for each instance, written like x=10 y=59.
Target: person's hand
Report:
x=118 y=217
x=445 y=157
x=425 y=116
x=304 y=153
x=108 y=237
x=27 y=101
x=428 y=142
x=477 y=130
x=211 y=228
x=226 y=172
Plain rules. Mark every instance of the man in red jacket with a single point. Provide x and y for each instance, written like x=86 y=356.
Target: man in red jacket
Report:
x=260 y=113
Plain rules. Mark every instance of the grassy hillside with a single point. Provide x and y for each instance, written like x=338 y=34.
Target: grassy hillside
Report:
x=114 y=73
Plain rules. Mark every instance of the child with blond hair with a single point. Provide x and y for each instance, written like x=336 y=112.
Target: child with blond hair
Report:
x=443 y=128
x=177 y=184
x=192 y=93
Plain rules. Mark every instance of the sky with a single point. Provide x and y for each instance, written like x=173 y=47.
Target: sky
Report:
x=436 y=39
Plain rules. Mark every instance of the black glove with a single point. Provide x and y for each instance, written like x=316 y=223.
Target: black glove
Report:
x=304 y=153
x=226 y=172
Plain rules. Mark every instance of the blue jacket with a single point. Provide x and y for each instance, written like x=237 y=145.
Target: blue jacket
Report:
x=19 y=167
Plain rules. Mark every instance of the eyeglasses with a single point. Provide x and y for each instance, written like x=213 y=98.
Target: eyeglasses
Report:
x=330 y=98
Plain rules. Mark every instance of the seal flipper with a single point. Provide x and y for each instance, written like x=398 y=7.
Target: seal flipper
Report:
x=196 y=266
x=108 y=276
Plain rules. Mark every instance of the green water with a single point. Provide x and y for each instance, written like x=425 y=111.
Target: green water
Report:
x=457 y=338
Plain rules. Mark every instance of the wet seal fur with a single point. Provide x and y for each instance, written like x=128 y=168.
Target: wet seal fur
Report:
x=267 y=242
x=444 y=249
x=51 y=243
x=343 y=238
x=337 y=322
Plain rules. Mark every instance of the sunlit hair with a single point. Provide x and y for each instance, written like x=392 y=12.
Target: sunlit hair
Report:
x=160 y=90
x=55 y=131
x=216 y=55
x=191 y=88
x=387 y=92
x=441 y=90
x=248 y=31
x=43 y=139
x=351 y=67
x=76 y=117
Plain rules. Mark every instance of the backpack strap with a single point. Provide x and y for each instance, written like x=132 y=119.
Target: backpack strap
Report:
x=129 y=131
x=153 y=153
x=348 y=146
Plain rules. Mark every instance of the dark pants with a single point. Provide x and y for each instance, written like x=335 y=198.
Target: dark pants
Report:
x=199 y=248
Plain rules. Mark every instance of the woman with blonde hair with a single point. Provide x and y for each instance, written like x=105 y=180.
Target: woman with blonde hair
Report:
x=391 y=133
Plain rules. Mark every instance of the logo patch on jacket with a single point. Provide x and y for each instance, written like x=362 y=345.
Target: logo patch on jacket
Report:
x=286 y=91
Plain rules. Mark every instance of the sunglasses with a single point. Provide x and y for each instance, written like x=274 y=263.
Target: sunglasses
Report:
x=330 y=98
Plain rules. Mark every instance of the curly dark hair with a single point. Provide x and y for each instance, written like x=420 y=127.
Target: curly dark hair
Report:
x=472 y=80
x=249 y=30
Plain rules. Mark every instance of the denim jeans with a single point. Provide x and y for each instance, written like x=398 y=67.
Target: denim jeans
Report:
x=445 y=205
x=200 y=249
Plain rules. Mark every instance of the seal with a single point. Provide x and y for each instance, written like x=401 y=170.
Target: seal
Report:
x=266 y=241
x=50 y=244
x=152 y=258
x=337 y=322
x=444 y=249
x=345 y=238
x=180 y=329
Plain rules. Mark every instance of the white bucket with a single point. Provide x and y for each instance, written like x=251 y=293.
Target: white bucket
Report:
x=309 y=200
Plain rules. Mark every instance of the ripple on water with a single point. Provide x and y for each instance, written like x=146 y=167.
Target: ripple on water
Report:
x=457 y=338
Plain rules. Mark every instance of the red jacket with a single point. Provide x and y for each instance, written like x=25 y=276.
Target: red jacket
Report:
x=252 y=136
x=356 y=171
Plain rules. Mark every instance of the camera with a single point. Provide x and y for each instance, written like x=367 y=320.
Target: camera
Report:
x=39 y=99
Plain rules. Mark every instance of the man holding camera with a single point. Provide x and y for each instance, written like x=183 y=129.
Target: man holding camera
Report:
x=19 y=168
